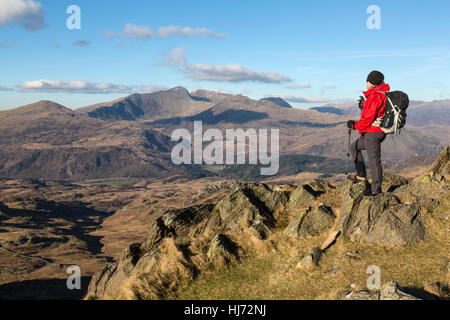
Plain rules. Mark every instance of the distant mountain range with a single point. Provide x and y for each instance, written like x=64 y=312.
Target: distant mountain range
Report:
x=431 y=118
x=131 y=136
x=420 y=113
x=47 y=140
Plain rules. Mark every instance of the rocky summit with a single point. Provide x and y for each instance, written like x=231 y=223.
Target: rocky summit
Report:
x=257 y=233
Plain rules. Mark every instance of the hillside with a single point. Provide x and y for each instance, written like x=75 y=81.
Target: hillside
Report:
x=278 y=101
x=306 y=241
x=430 y=118
x=53 y=142
x=46 y=226
x=174 y=102
x=302 y=132
x=130 y=137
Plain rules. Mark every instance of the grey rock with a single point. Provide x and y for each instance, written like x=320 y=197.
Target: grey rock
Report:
x=399 y=225
x=389 y=291
x=392 y=291
x=305 y=194
x=247 y=204
x=381 y=219
x=392 y=182
x=363 y=295
x=355 y=191
x=440 y=170
x=221 y=246
x=311 y=222
x=157 y=232
x=180 y=221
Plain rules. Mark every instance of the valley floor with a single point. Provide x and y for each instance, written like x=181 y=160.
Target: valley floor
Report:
x=47 y=226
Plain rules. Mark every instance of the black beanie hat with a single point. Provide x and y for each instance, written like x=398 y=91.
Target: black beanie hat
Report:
x=376 y=78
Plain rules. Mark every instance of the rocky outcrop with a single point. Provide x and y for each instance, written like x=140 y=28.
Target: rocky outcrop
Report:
x=311 y=222
x=246 y=217
x=352 y=197
x=136 y=259
x=180 y=221
x=382 y=219
x=305 y=194
x=158 y=230
x=389 y=291
x=428 y=190
x=440 y=170
x=250 y=205
x=395 y=217
x=166 y=257
x=222 y=247
x=112 y=276
x=392 y=182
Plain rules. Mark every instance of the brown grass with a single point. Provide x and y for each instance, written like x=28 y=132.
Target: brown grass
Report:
x=271 y=274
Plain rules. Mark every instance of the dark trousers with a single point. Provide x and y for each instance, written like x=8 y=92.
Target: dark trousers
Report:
x=371 y=142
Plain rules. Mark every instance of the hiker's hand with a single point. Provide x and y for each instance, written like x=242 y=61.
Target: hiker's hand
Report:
x=351 y=124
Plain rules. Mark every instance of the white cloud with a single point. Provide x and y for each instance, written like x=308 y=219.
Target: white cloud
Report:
x=177 y=56
x=73 y=86
x=81 y=86
x=299 y=86
x=28 y=13
x=136 y=32
x=228 y=73
x=150 y=88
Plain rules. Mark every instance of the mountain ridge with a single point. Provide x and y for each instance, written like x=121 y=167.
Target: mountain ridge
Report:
x=55 y=142
x=143 y=106
x=429 y=118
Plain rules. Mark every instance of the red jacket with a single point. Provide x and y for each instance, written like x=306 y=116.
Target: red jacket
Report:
x=373 y=108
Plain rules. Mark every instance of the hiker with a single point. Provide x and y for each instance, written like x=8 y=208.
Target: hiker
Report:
x=371 y=136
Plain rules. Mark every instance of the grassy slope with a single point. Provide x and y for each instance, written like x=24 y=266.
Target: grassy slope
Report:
x=273 y=275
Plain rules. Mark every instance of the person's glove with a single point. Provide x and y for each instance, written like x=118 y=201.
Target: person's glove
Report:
x=351 y=124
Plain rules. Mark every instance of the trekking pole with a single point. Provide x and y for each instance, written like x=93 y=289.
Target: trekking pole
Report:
x=348 y=157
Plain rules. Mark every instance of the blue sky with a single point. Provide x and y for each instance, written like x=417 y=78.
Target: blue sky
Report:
x=309 y=52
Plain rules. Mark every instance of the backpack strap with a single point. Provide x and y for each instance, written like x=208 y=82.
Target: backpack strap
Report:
x=379 y=121
x=387 y=99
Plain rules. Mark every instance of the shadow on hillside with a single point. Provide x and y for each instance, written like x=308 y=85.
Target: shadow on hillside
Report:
x=420 y=293
x=46 y=289
x=209 y=118
x=70 y=219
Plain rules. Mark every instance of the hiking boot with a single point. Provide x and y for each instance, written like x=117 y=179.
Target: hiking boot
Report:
x=355 y=177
